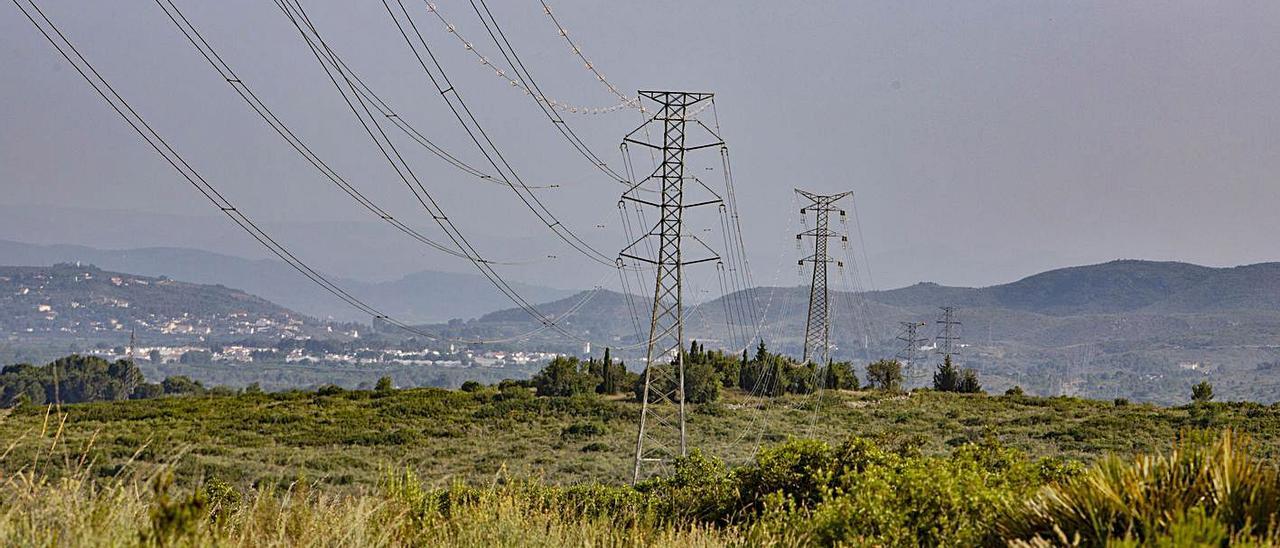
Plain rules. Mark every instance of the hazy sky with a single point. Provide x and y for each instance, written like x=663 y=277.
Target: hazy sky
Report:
x=984 y=141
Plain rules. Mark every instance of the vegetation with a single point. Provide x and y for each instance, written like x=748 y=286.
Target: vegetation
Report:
x=835 y=467
x=568 y=376
x=885 y=375
x=947 y=377
x=1207 y=491
x=1202 y=392
x=78 y=379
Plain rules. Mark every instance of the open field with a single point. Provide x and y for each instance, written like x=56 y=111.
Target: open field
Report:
x=353 y=438
x=185 y=471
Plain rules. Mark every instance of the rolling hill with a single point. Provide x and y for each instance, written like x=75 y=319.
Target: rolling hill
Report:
x=71 y=301
x=1129 y=328
x=426 y=296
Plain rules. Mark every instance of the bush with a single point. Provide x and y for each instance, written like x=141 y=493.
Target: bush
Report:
x=329 y=390
x=1202 y=392
x=1203 y=481
x=840 y=376
x=385 y=385
x=563 y=377
x=583 y=430
x=885 y=375
x=471 y=386
x=181 y=385
x=969 y=382
x=147 y=391
x=1120 y=402
x=1016 y=391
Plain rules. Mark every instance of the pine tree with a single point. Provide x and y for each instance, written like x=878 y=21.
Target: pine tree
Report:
x=969 y=382
x=947 y=377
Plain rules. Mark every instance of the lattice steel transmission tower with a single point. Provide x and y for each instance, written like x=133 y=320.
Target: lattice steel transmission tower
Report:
x=911 y=339
x=661 y=435
x=948 y=332
x=817 y=329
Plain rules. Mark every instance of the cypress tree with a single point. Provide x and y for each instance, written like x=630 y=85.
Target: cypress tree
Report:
x=947 y=377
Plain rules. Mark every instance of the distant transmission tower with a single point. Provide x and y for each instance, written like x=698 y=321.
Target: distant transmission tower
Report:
x=661 y=436
x=133 y=342
x=817 y=329
x=911 y=343
x=948 y=339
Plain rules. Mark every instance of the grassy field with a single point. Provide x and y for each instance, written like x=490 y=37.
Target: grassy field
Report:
x=353 y=438
x=430 y=467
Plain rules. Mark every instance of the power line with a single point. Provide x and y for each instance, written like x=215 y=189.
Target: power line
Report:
x=909 y=354
x=103 y=88
x=246 y=93
x=393 y=156
x=948 y=337
x=633 y=102
x=661 y=436
x=501 y=73
x=477 y=134
x=817 y=328
x=522 y=73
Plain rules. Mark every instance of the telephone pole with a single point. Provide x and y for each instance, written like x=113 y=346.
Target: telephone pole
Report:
x=817 y=329
x=948 y=332
x=661 y=435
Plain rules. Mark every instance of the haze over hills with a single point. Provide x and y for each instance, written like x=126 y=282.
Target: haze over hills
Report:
x=1139 y=329
x=68 y=302
x=427 y=296
x=1131 y=328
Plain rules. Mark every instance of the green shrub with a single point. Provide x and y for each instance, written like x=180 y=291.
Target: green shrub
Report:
x=1201 y=480
x=969 y=382
x=1202 y=392
x=885 y=375
x=581 y=430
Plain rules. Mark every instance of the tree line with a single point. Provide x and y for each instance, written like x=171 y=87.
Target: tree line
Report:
x=77 y=379
x=708 y=372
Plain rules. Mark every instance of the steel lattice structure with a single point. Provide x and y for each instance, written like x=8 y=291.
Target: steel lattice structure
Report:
x=817 y=328
x=661 y=434
x=911 y=339
x=948 y=332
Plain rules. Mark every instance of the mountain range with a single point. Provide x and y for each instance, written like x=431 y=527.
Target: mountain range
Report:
x=1128 y=328
x=79 y=302
x=427 y=296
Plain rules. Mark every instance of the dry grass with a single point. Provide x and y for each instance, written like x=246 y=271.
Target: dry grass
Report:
x=141 y=506
x=1206 y=489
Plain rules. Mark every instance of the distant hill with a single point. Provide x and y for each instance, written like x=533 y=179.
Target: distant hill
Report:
x=1139 y=329
x=426 y=296
x=70 y=301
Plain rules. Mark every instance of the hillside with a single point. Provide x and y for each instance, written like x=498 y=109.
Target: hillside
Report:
x=1137 y=329
x=426 y=296
x=70 y=301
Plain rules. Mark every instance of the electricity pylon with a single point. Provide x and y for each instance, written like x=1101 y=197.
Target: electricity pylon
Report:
x=661 y=435
x=948 y=332
x=817 y=329
x=911 y=343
